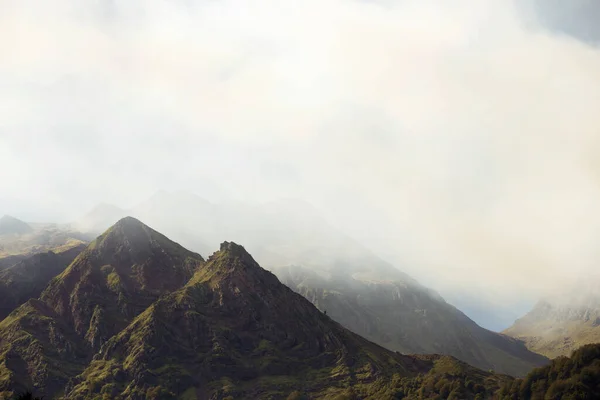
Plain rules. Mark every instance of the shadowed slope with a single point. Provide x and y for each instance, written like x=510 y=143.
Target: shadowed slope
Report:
x=405 y=317
x=29 y=277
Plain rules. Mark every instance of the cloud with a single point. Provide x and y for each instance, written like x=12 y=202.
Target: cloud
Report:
x=459 y=138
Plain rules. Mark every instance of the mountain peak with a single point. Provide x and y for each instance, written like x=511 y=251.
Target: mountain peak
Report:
x=11 y=225
x=119 y=274
x=234 y=257
x=234 y=250
x=129 y=234
x=234 y=268
x=130 y=222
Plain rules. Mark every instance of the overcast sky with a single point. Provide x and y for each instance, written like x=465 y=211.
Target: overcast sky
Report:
x=460 y=139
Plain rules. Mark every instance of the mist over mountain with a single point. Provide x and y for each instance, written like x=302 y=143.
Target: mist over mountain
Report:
x=138 y=316
x=471 y=166
x=560 y=324
x=20 y=239
x=12 y=226
x=277 y=232
x=419 y=170
x=336 y=273
x=406 y=317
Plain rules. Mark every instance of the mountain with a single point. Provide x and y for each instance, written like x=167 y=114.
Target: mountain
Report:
x=45 y=342
x=405 y=317
x=12 y=226
x=137 y=315
x=234 y=331
x=364 y=293
x=29 y=277
x=558 y=325
x=118 y=276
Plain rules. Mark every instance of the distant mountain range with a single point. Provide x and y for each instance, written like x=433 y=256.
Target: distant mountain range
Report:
x=137 y=316
x=13 y=226
x=19 y=239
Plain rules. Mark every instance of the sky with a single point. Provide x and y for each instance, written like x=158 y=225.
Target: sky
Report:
x=459 y=140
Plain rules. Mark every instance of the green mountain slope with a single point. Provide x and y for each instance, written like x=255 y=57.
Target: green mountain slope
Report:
x=405 y=317
x=117 y=277
x=29 y=277
x=38 y=351
x=112 y=281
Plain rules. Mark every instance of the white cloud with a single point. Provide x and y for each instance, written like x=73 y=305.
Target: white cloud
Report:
x=473 y=135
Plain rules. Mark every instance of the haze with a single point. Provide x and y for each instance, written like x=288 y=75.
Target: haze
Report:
x=458 y=141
